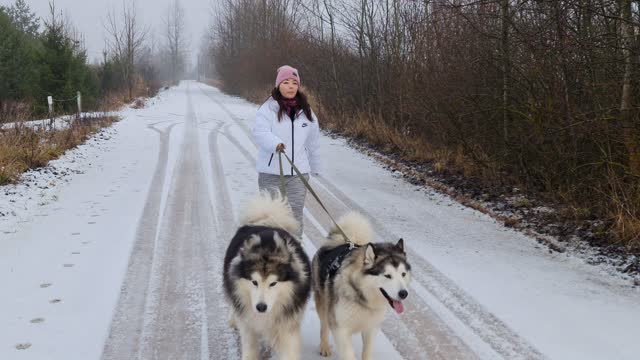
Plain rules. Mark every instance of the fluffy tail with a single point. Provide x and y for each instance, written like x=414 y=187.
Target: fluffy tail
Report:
x=355 y=226
x=271 y=210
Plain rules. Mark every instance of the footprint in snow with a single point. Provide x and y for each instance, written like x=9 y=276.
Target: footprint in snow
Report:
x=45 y=285
x=23 y=346
x=37 y=320
x=54 y=301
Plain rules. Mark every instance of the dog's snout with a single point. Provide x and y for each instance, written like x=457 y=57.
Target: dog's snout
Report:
x=261 y=307
x=403 y=294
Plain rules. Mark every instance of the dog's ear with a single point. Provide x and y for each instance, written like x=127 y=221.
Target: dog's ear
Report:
x=369 y=254
x=249 y=244
x=400 y=245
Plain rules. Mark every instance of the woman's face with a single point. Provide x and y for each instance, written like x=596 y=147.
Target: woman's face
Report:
x=289 y=88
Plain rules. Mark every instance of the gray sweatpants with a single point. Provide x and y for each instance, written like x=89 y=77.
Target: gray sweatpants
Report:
x=296 y=192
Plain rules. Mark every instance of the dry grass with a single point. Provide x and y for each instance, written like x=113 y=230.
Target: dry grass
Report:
x=626 y=227
x=627 y=230
x=14 y=110
x=625 y=212
x=625 y=199
x=115 y=99
x=23 y=148
x=214 y=82
x=139 y=103
x=257 y=96
x=367 y=127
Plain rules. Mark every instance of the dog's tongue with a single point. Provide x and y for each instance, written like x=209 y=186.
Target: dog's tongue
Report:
x=398 y=307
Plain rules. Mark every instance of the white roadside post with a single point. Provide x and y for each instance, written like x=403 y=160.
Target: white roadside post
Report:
x=79 y=105
x=79 y=98
x=50 y=102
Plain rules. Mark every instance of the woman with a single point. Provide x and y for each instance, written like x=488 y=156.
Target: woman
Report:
x=286 y=123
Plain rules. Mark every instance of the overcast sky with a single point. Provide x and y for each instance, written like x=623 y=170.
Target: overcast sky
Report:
x=88 y=16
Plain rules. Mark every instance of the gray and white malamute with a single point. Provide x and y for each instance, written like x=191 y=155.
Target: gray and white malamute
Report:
x=267 y=279
x=354 y=286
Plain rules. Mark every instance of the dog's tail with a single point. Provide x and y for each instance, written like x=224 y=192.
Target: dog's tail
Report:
x=271 y=210
x=355 y=226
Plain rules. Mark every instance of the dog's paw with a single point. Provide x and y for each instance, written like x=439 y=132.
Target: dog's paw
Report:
x=325 y=351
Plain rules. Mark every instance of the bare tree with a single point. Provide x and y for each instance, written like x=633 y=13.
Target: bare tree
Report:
x=176 y=43
x=631 y=133
x=126 y=39
x=506 y=65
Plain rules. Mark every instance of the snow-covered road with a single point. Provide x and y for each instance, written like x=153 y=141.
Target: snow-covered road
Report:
x=121 y=257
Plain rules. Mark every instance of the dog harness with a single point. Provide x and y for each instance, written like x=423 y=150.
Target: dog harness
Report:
x=334 y=258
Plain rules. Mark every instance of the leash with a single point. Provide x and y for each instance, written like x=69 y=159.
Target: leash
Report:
x=306 y=184
x=283 y=185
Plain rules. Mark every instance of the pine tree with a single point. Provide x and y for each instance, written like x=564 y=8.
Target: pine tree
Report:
x=17 y=55
x=63 y=69
x=26 y=21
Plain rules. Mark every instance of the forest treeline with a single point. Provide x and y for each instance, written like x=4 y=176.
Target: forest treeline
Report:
x=539 y=94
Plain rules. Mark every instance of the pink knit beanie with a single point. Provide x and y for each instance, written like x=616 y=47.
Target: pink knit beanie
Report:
x=287 y=72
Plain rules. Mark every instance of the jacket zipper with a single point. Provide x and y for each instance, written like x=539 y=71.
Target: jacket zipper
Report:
x=271 y=158
x=293 y=145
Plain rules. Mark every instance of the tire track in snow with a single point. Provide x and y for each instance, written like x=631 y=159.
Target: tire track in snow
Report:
x=170 y=305
x=237 y=120
x=225 y=230
x=176 y=324
x=124 y=335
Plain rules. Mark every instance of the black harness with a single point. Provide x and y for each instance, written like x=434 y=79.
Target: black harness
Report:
x=332 y=259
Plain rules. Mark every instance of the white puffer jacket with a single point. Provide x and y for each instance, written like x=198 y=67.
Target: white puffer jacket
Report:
x=300 y=137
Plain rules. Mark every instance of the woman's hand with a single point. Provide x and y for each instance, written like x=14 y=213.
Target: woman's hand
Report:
x=280 y=147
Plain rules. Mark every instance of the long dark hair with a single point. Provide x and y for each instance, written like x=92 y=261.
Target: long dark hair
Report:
x=303 y=103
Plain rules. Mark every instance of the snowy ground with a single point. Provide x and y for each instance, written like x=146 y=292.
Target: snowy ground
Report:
x=115 y=250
